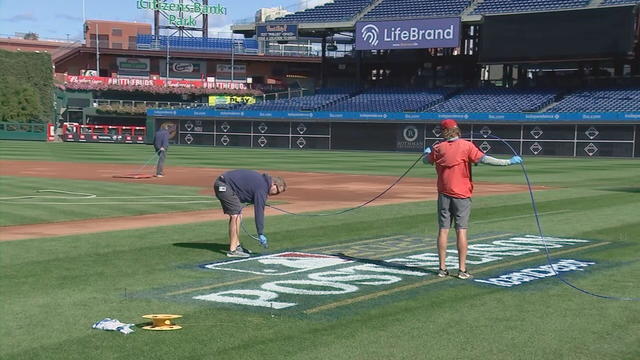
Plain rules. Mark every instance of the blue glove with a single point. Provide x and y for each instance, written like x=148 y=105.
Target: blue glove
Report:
x=427 y=150
x=263 y=241
x=515 y=160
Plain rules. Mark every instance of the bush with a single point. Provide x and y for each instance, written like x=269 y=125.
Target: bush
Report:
x=19 y=103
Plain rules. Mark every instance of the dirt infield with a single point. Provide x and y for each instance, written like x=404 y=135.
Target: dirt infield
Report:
x=306 y=192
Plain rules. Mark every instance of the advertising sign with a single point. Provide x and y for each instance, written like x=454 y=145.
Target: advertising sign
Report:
x=408 y=34
x=133 y=66
x=218 y=100
x=279 y=32
x=192 y=69
x=410 y=137
x=109 y=81
x=226 y=68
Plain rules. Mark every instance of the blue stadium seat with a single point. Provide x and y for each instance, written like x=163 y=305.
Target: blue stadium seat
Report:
x=604 y=99
x=402 y=9
x=305 y=103
x=197 y=43
x=497 y=100
x=515 y=6
x=618 y=2
x=336 y=11
x=390 y=100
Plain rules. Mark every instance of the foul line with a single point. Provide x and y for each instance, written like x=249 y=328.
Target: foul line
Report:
x=431 y=281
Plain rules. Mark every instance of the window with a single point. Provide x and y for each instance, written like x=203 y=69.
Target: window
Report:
x=116 y=32
x=116 y=45
x=133 y=42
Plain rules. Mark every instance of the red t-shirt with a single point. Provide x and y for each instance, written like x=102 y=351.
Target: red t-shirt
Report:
x=453 y=161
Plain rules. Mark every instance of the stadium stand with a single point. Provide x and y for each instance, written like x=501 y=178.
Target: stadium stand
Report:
x=307 y=103
x=199 y=43
x=390 y=100
x=336 y=11
x=512 y=6
x=497 y=100
x=403 y=9
x=618 y=2
x=589 y=100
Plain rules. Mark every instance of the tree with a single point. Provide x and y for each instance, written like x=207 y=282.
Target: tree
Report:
x=31 y=36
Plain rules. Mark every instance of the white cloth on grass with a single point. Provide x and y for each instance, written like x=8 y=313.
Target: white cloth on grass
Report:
x=114 y=325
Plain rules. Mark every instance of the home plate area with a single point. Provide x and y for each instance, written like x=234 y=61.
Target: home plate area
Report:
x=321 y=279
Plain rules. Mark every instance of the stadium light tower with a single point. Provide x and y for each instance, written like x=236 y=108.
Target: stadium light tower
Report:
x=166 y=83
x=97 y=50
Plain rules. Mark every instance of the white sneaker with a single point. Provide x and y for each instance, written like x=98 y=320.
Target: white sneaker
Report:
x=443 y=272
x=238 y=253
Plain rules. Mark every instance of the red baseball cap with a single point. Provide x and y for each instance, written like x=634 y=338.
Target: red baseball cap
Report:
x=448 y=124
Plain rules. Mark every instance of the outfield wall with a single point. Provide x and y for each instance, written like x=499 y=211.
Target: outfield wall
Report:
x=529 y=139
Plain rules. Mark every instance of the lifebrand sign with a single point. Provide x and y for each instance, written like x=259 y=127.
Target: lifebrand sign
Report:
x=325 y=278
x=408 y=34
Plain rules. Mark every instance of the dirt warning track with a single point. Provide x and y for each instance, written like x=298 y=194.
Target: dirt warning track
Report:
x=306 y=192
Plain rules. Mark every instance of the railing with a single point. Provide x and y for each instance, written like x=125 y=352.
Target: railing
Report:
x=148 y=104
x=289 y=94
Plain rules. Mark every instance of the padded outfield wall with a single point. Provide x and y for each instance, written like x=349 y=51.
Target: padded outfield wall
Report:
x=530 y=135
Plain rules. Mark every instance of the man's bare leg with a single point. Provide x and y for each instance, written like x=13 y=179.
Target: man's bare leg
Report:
x=234 y=231
x=443 y=236
x=461 y=235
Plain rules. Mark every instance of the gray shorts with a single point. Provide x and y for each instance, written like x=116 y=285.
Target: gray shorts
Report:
x=231 y=205
x=450 y=209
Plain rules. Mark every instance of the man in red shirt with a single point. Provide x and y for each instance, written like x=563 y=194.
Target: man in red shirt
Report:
x=453 y=159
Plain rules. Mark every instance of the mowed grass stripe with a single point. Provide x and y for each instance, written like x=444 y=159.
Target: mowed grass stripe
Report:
x=56 y=207
x=432 y=281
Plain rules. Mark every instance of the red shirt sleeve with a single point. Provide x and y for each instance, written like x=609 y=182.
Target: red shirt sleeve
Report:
x=475 y=154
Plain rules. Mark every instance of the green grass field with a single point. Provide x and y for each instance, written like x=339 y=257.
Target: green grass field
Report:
x=54 y=289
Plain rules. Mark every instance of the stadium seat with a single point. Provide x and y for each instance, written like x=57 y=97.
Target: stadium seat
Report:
x=402 y=9
x=590 y=100
x=336 y=11
x=514 y=6
x=223 y=45
x=303 y=103
x=497 y=100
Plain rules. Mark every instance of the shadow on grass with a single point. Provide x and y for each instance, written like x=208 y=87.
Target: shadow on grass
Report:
x=633 y=190
x=213 y=247
x=385 y=264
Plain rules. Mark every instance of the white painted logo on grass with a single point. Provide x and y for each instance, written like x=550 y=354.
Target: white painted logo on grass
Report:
x=312 y=278
x=530 y=274
x=279 y=264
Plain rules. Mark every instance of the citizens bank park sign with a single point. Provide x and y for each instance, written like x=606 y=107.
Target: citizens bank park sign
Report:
x=326 y=278
x=176 y=12
x=408 y=34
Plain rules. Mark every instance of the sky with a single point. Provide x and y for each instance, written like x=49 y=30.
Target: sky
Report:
x=62 y=19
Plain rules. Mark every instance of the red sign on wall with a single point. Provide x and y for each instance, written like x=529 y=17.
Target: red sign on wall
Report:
x=73 y=79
